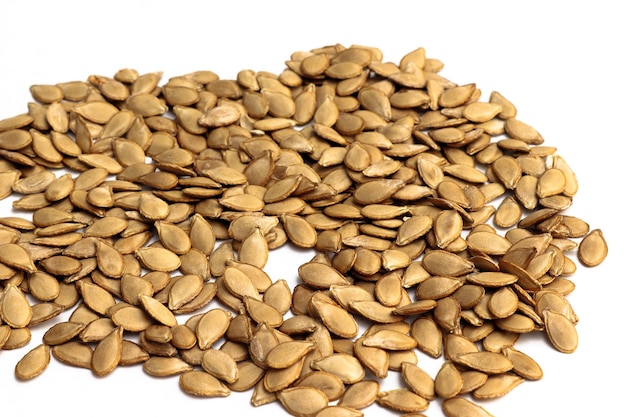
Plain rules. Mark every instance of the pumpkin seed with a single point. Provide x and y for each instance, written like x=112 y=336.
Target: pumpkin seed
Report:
x=107 y=353
x=457 y=407
x=202 y=384
x=394 y=195
x=593 y=248
x=33 y=363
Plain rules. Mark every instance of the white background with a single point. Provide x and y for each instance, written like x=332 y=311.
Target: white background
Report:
x=561 y=63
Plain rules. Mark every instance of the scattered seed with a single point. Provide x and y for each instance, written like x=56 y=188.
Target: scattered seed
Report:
x=389 y=179
x=33 y=363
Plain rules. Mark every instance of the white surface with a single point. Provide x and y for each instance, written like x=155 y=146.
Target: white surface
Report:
x=561 y=66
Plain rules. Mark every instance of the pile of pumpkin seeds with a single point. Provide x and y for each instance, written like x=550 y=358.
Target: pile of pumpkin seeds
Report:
x=438 y=221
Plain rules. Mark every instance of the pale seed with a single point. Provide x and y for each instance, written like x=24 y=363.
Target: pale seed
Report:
x=107 y=353
x=33 y=363
x=561 y=331
x=593 y=248
x=462 y=407
x=202 y=384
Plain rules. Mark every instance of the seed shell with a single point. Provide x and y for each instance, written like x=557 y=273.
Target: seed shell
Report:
x=33 y=363
x=201 y=384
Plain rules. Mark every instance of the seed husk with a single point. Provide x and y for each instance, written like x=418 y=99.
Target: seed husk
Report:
x=371 y=172
x=15 y=309
x=202 y=384
x=561 y=331
x=497 y=386
x=107 y=353
x=303 y=401
x=428 y=335
x=418 y=380
x=592 y=249
x=345 y=366
x=462 y=407
x=523 y=364
x=220 y=365
x=211 y=326
x=164 y=366
x=73 y=353
x=403 y=400
x=33 y=363
x=62 y=332
x=487 y=362
x=448 y=381
x=157 y=310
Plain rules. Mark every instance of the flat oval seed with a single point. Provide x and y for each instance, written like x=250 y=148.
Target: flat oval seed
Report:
x=448 y=381
x=211 y=326
x=437 y=287
x=107 y=353
x=497 y=386
x=202 y=384
x=593 y=249
x=184 y=290
x=132 y=318
x=14 y=256
x=62 y=332
x=33 y=363
x=157 y=310
x=390 y=340
x=338 y=321
x=220 y=364
x=488 y=362
x=15 y=310
x=288 y=353
x=299 y=231
x=418 y=380
x=523 y=364
x=158 y=259
x=360 y=394
x=166 y=366
x=462 y=407
x=73 y=354
x=303 y=401
x=561 y=331
x=440 y=262
x=346 y=367
x=429 y=336
x=322 y=276
x=403 y=400
x=96 y=297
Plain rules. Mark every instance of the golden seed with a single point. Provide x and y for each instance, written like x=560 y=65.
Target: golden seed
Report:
x=593 y=248
x=561 y=331
x=462 y=407
x=448 y=381
x=202 y=384
x=403 y=400
x=303 y=401
x=497 y=386
x=33 y=363
x=74 y=354
x=15 y=309
x=107 y=353
x=165 y=366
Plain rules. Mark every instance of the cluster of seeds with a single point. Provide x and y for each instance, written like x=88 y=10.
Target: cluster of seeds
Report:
x=437 y=219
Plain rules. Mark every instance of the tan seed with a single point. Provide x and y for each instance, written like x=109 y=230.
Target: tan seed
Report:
x=303 y=401
x=202 y=384
x=33 y=363
x=561 y=331
x=107 y=353
x=462 y=407
x=403 y=400
x=593 y=248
